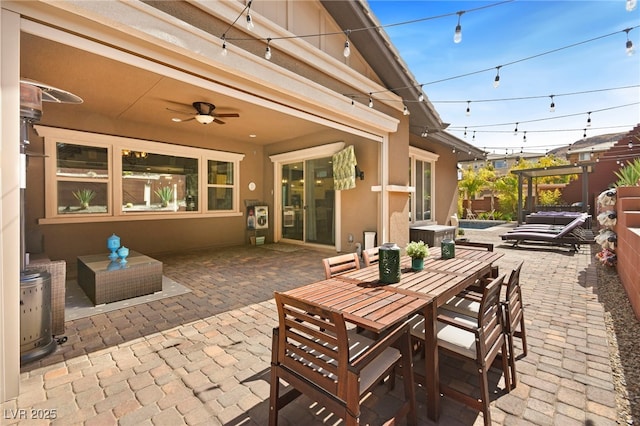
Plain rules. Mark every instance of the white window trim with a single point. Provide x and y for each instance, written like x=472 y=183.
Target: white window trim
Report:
x=114 y=145
x=417 y=154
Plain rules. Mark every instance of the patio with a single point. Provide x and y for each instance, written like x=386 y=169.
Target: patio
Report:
x=203 y=357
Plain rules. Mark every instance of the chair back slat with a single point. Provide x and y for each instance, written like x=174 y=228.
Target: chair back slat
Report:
x=340 y=264
x=313 y=342
x=371 y=256
x=514 y=296
x=489 y=317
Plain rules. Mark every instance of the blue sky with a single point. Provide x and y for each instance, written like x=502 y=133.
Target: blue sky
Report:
x=510 y=32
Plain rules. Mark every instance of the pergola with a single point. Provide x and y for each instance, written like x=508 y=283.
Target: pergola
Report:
x=569 y=169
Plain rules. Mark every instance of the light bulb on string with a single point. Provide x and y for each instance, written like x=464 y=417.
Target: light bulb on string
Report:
x=405 y=110
x=473 y=139
x=524 y=137
x=370 y=101
x=457 y=35
x=589 y=119
x=631 y=5
x=267 y=51
x=552 y=107
x=468 y=112
x=250 y=25
x=521 y=150
x=629 y=46
x=421 y=95
x=347 y=47
x=465 y=132
x=224 y=46
x=515 y=131
x=496 y=81
x=584 y=134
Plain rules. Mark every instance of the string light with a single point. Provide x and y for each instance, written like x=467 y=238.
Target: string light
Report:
x=496 y=81
x=468 y=112
x=267 y=52
x=552 y=107
x=224 y=46
x=347 y=49
x=524 y=137
x=457 y=35
x=250 y=25
x=421 y=95
x=515 y=131
x=589 y=119
x=465 y=132
x=473 y=139
x=629 y=45
x=370 y=101
x=584 y=135
x=405 y=110
x=425 y=133
x=631 y=5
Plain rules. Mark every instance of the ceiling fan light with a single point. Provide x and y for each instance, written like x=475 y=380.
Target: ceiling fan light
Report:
x=204 y=119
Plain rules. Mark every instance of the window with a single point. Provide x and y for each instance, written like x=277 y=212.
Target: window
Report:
x=100 y=177
x=82 y=179
x=421 y=169
x=585 y=156
x=500 y=164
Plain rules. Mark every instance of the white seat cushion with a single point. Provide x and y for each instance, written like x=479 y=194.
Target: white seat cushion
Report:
x=358 y=344
x=462 y=306
x=449 y=337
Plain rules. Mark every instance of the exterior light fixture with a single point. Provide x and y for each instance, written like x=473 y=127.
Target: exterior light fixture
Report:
x=496 y=81
x=552 y=107
x=468 y=112
x=515 y=131
x=405 y=110
x=630 y=49
x=457 y=35
x=267 y=51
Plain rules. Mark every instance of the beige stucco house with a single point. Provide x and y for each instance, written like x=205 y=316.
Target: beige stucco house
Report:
x=140 y=66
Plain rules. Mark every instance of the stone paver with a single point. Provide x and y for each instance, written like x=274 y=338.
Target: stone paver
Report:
x=203 y=357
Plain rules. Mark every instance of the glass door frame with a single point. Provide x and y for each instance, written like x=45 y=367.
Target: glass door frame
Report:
x=301 y=156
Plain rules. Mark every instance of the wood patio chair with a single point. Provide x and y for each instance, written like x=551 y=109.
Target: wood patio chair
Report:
x=471 y=214
x=371 y=256
x=315 y=354
x=468 y=303
x=340 y=264
x=479 y=337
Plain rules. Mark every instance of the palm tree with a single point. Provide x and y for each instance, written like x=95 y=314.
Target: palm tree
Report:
x=470 y=184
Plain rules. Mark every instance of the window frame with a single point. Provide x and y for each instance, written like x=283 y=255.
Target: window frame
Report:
x=415 y=155
x=114 y=146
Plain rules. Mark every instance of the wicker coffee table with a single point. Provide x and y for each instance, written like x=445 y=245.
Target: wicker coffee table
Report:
x=105 y=281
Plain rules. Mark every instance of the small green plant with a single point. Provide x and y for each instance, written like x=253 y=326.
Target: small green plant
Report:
x=629 y=175
x=417 y=250
x=84 y=196
x=166 y=194
x=460 y=231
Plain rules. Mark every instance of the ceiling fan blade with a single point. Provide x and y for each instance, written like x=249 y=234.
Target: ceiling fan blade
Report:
x=215 y=120
x=232 y=114
x=180 y=120
x=180 y=112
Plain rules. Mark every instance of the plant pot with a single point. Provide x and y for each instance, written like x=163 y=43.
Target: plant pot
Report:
x=417 y=263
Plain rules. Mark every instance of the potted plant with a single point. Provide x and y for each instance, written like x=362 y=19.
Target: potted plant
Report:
x=417 y=250
x=166 y=194
x=461 y=235
x=84 y=196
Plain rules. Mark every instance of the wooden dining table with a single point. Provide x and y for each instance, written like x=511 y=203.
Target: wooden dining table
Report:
x=377 y=306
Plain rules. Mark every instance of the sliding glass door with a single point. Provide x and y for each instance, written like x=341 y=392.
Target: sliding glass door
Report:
x=308 y=201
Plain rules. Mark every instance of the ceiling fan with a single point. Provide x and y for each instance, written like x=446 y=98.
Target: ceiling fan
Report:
x=204 y=113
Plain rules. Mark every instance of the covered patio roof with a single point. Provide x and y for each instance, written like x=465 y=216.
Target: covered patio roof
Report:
x=569 y=169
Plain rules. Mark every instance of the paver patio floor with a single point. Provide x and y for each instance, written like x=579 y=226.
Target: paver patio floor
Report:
x=203 y=357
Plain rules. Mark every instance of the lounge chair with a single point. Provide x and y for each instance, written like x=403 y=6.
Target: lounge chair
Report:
x=572 y=234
